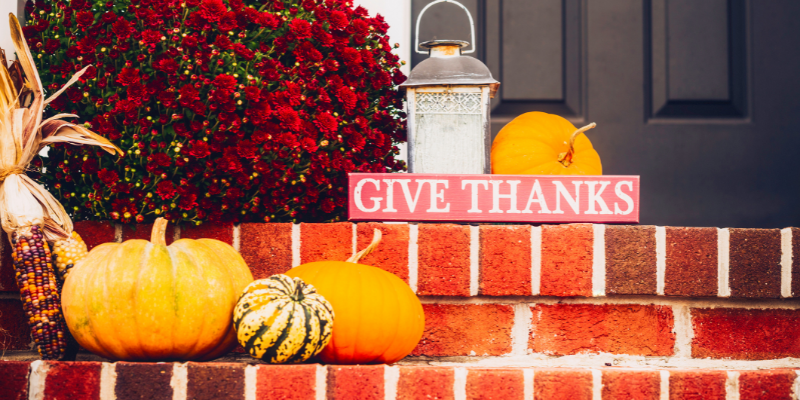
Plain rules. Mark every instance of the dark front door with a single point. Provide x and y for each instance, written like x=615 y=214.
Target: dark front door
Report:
x=699 y=98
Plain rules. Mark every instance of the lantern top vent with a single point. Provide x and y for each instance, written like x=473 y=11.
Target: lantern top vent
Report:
x=446 y=66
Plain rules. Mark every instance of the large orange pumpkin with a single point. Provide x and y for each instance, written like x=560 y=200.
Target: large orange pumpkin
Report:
x=141 y=300
x=538 y=143
x=379 y=320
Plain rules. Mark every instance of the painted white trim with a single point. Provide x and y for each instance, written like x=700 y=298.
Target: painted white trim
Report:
x=599 y=260
x=786 y=262
x=723 y=262
x=536 y=260
x=661 y=259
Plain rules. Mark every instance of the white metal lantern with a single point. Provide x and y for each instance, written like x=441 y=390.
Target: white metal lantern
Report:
x=448 y=102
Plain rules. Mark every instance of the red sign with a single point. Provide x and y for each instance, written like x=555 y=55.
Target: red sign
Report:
x=494 y=198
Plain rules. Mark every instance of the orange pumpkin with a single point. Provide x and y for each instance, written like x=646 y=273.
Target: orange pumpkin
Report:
x=379 y=320
x=146 y=301
x=538 y=143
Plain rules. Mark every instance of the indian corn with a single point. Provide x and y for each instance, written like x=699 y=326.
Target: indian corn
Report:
x=66 y=253
x=39 y=292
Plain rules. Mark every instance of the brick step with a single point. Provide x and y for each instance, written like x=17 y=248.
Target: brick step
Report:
x=122 y=381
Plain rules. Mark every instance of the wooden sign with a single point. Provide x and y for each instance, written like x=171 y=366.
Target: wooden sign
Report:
x=494 y=198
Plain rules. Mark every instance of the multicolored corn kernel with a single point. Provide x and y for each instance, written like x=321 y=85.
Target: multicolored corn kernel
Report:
x=38 y=285
x=67 y=252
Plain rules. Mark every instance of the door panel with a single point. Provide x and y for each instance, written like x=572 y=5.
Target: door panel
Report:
x=696 y=97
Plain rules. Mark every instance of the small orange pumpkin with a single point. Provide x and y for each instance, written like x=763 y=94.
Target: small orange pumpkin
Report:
x=538 y=143
x=379 y=320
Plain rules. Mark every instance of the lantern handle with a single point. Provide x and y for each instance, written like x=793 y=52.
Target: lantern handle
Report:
x=471 y=25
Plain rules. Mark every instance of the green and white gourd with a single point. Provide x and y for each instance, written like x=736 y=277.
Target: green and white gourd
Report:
x=282 y=320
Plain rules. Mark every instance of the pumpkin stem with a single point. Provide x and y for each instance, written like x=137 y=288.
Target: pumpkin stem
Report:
x=566 y=157
x=376 y=238
x=159 y=234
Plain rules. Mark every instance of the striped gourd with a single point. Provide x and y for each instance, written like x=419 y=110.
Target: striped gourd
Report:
x=282 y=320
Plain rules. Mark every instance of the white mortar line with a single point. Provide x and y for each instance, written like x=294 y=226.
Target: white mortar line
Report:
x=459 y=383
x=391 y=375
x=179 y=381
x=732 y=386
x=693 y=302
x=597 y=384
x=108 y=381
x=520 y=332
x=796 y=386
x=295 y=245
x=527 y=384
x=237 y=237
x=355 y=238
x=176 y=233
x=413 y=256
x=321 y=388
x=723 y=262
x=250 y=382
x=536 y=260
x=118 y=233
x=36 y=380
x=474 y=259
x=684 y=332
x=661 y=258
x=599 y=261
x=786 y=262
x=664 y=393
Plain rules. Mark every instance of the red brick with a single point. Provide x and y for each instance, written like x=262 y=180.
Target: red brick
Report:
x=8 y=280
x=631 y=385
x=222 y=231
x=95 y=233
x=434 y=383
x=144 y=231
x=213 y=381
x=795 y=262
x=766 y=385
x=143 y=381
x=286 y=382
x=564 y=329
x=14 y=380
x=73 y=380
x=755 y=257
x=355 y=382
x=505 y=260
x=567 y=260
x=266 y=248
x=562 y=385
x=443 y=260
x=691 y=262
x=630 y=259
x=326 y=242
x=697 y=385
x=466 y=329
x=392 y=253
x=745 y=334
x=14 y=331
x=495 y=384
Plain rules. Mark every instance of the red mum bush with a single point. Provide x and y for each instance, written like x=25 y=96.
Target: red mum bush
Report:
x=235 y=110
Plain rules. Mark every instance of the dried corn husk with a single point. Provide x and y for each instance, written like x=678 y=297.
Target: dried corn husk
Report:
x=23 y=202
